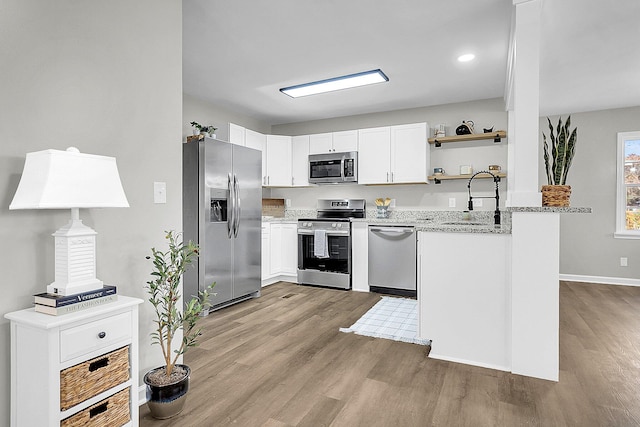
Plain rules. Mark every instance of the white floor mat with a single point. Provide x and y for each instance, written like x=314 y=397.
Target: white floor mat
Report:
x=391 y=318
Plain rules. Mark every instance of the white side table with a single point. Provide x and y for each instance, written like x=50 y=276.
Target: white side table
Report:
x=49 y=350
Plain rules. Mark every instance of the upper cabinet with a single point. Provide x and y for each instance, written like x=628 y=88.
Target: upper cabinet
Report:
x=277 y=171
x=322 y=143
x=255 y=140
x=374 y=155
x=236 y=134
x=300 y=161
x=393 y=154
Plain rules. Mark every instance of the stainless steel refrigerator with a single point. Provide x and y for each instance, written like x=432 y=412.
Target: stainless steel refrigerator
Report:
x=222 y=208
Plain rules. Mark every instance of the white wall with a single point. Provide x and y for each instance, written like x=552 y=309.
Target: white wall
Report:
x=587 y=245
x=485 y=114
x=106 y=77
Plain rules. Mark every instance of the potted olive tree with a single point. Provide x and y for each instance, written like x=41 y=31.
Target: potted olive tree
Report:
x=167 y=385
x=563 y=146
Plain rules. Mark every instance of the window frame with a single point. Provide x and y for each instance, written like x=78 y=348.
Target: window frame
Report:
x=621 y=193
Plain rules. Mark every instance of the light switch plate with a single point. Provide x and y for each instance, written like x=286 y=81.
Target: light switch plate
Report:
x=452 y=202
x=159 y=192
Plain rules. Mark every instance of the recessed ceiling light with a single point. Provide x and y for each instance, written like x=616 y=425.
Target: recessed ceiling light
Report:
x=466 y=57
x=336 y=83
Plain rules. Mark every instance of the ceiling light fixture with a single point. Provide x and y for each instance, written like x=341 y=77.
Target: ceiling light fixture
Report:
x=336 y=83
x=466 y=57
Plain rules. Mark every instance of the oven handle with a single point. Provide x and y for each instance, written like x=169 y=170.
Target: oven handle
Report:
x=329 y=233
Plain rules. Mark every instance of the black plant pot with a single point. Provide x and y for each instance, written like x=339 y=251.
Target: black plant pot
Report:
x=167 y=400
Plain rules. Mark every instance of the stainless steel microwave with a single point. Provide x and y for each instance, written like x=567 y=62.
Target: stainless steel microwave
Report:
x=333 y=168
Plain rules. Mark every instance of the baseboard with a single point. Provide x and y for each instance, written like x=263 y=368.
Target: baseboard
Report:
x=622 y=281
x=142 y=395
x=433 y=355
x=280 y=278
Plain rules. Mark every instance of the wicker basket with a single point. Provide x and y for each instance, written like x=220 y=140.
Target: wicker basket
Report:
x=556 y=195
x=110 y=412
x=84 y=380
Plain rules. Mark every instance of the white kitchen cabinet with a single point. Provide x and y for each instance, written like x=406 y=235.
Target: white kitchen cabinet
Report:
x=277 y=172
x=345 y=141
x=255 y=140
x=374 y=155
x=322 y=143
x=464 y=303
x=300 y=161
x=409 y=153
x=50 y=353
x=283 y=252
x=266 y=252
x=275 y=249
x=289 y=250
x=236 y=134
x=393 y=154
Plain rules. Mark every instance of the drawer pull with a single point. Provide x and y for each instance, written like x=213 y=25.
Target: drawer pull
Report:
x=98 y=410
x=102 y=334
x=94 y=366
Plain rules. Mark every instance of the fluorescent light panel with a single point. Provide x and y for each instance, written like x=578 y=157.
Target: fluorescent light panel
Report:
x=336 y=83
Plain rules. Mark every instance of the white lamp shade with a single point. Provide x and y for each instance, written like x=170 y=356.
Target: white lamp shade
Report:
x=55 y=179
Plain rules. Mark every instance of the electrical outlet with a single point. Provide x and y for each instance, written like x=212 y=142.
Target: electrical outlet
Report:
x=393 y=203
x=287 y=202
x=623 y=261
x=452 y=202
x=159 y=192
x=477 y=203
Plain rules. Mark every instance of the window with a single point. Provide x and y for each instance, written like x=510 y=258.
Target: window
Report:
x=628 y=194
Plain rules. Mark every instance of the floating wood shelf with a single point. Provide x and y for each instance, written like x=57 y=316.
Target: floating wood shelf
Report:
x=496 y=136
x=438 y=179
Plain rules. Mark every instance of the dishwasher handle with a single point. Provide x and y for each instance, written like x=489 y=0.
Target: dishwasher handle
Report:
x=398 y=230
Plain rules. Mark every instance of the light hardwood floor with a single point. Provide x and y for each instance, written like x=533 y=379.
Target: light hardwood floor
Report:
x=280 y=360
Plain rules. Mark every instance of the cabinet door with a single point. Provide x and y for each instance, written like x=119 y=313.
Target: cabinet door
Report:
x=253 y=139
x=278 y=161
x=266 y=251
x=275 y=249
x=320 y=143
x=374 y=155
x=300 y=161
x=236 y=134
x=345 y=141
x=289 y=249
x=409 y=153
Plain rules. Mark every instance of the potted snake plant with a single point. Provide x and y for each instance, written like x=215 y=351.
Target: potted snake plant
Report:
x=167 y=385
x=557 y=163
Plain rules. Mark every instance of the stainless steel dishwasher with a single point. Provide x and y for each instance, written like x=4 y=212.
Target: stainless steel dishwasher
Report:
x=392 y=260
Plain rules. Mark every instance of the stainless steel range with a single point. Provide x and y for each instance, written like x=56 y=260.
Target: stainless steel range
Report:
x=324 y=243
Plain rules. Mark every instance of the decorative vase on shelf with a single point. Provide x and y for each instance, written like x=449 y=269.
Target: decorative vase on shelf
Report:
x=212 y=135
x=556 y=196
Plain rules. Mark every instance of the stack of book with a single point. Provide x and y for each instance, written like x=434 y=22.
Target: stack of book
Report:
x=55 y=304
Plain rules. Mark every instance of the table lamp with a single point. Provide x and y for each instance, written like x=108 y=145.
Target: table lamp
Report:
x=55 y=179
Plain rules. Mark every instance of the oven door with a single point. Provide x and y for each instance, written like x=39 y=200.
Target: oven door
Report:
x=334 y=271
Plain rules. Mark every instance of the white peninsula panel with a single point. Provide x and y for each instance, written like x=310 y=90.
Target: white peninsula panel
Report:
x=464 y=297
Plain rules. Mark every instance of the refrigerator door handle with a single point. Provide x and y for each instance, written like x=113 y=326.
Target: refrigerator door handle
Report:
x=230 y=207
x=236 y=204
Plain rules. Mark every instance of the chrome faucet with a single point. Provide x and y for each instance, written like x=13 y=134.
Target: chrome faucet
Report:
x=496 y=179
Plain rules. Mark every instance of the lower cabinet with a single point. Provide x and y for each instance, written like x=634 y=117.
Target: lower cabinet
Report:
x=75 y=369
x=282 y=243
x=464 y=297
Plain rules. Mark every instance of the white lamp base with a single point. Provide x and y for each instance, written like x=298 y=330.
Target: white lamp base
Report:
x=75 y=259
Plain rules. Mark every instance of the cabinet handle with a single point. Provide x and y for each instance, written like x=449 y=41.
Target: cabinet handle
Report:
x=98 y=410
x=387 y=176
x=102 y=334
x=101 y=363
x=392 y=177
